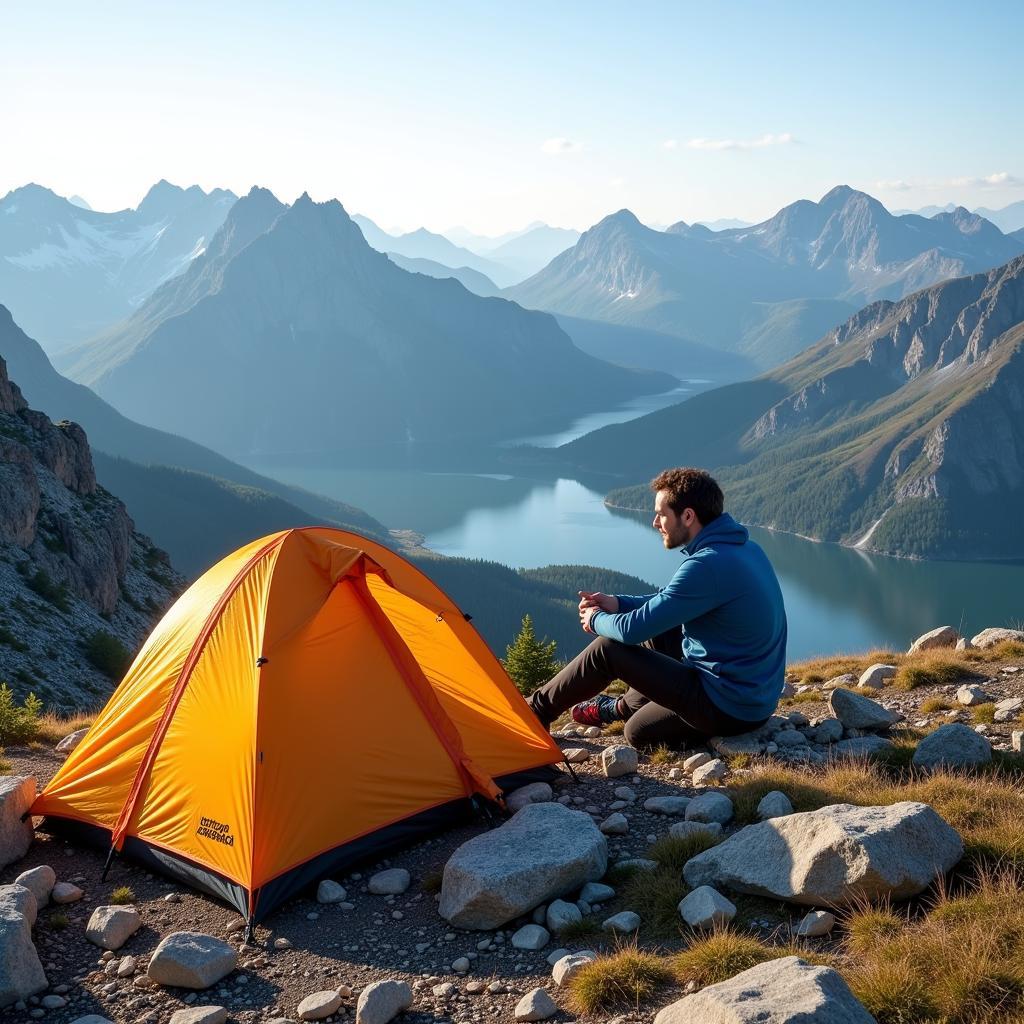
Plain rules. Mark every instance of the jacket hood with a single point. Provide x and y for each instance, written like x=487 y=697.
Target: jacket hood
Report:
x=723 y=530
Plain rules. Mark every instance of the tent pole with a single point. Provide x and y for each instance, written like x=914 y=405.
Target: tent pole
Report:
x=572 y=772
x=109 y=861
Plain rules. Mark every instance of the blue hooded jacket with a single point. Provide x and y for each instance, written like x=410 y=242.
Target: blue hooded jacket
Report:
x=727 y=598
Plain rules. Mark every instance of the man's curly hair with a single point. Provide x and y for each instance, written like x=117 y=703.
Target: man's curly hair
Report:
x=691 y=488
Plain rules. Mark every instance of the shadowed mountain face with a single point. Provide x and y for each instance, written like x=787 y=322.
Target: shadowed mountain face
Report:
x=308 y=340
x=902 y=431
x=765 y=291
x=67 y=271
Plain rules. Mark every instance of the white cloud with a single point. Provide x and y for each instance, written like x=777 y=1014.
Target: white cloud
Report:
x=556 y=147
x=899 y=185
x=670 y=144
x=783 y=139
x=1001 y=179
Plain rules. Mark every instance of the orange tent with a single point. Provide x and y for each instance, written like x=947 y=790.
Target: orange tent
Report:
x=311 y=700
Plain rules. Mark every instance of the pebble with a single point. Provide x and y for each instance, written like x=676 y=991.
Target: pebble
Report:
x=817 y=922
x=615 y=825
x=390 y=882
x=460 y=965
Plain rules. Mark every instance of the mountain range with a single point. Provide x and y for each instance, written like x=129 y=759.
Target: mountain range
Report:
x=769 y=290
x=901 y=431
x=1008 y=218
x=67 y=271
x=291 y=334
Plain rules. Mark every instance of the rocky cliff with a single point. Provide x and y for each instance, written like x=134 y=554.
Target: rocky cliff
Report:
x=79 y=588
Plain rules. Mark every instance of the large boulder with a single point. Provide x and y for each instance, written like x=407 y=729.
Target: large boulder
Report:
x=40 y=882
x=785 y=991
x=856 y=711
x=952 y=746
x=996 y=635
x=21 y=973
x=943 y=636
x=381 y=1001
x=543 y=851
x=191 y=960
x=16 y=795
x=834 y=855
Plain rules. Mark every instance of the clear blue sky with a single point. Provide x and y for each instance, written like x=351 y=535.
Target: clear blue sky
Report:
x=495 y=115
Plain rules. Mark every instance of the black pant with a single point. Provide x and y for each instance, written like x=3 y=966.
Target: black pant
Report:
x=666 y=701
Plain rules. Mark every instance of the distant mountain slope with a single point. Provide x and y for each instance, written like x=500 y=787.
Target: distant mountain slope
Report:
x=653 y=350
x=307 y=340
x=67 y=272
x=477 y=283
x=116 y=435
x=426 y=245
x=766 y=291
x=534 y=249
x=902 y=431
x=1009 y=219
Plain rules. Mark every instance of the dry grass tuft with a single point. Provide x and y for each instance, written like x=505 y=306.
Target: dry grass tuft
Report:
x=584 y=930
x=933 y=704
x=620 y=981
x=615 y=728
x=5 y=765
x=723 y=954
x=52 y=728
x=1005 y=650
x=933 y=668
x=963 y=963
x=655 y=896
x=819 y=670
x=983 y=714
x=673 y=852
x=122 y=895
x=663 y=754
x=807 y=697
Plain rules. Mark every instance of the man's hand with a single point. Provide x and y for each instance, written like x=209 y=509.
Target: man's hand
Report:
x=586 y=614
x=595 y=599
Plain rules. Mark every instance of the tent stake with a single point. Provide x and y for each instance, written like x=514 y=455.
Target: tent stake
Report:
x=575 y=777
x=106 y=866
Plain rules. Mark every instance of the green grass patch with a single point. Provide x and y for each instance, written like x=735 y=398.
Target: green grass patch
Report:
x=620 y=981
x=122 y=895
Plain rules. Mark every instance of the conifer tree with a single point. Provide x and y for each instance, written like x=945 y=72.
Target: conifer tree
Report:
x=529 y=661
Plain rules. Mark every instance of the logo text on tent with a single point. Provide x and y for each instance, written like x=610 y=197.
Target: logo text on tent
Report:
x=210 y=828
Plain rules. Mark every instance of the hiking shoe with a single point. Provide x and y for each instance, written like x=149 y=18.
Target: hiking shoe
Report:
x=599 y=710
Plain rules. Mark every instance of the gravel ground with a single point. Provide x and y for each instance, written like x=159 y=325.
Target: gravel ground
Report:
x=379 y=937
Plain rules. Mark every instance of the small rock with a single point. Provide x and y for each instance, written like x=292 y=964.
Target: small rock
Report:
x=319 y=1005
x=619 y=759
x=591 y=732
x=531 y=936
x=817 y=922
x=382 y=1001
x=713 y=771
x=460 y=965
x=555 y=955
x=330 y=892
x=576 y=755
x=972 y=695
x=952 y=746
x=534 y=793
x=696 y=760
x=876 y=676
x=570 y=964
x=943 y=636
x=40 y=882
x=706 y=907
x=596 y=892
x=774 y=805
x=191 y=960
x=683 y=829
x=112 y=926
x=444 y=990
x=996 y=635
x=53 y=1002
x=535 y=1005
x=390 y=882
x=65 y=892
x=200 y=1015
x=282 y=943
x=1016 y=739
x=126 y=968
x=625 y=793
x=828 y=730
x=671 y=805
x=615 y=825
x=856 y=711
x=625 y=922
x=708 y=807
x=561 y=914
x=730 y=746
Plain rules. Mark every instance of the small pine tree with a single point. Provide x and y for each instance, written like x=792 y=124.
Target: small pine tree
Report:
x=529 y=661
x=18 y=725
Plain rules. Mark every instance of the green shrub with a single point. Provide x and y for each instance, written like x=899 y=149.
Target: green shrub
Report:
x=8 y=639
x=122 y=895
x=46 y=588
x=108 y=654
x=18 y=725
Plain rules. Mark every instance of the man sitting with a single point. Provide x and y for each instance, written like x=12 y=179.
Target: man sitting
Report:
x=704 y=656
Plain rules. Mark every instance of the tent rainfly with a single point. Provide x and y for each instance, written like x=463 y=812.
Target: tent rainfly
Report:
x=312 y=700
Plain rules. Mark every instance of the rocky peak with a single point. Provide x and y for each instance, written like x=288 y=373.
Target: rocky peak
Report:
x=71 y=563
